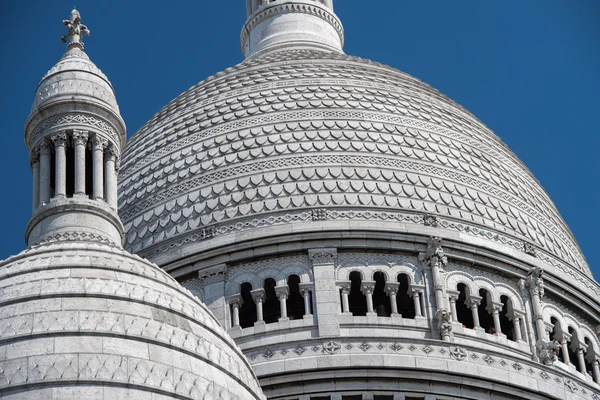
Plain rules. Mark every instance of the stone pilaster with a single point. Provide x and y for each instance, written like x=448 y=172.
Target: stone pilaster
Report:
x=326 y=292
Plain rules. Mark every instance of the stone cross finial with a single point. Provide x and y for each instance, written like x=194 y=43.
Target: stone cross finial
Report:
x=76 y=30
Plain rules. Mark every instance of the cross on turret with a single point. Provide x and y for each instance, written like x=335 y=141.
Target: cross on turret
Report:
x=76 y=30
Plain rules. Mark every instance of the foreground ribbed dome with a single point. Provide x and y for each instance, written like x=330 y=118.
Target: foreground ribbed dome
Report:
x=84 y=320
x=304 y=140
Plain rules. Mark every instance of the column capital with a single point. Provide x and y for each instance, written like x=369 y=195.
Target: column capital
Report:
x=112 y=153
x=323 y=256
x=434 y=256
x=98 y=143
x=282 y=292
x=80 y=137
x=474 y=301
x=535 y=281
x=516 y=314
x=235 y=299
x=414 y=288
x=453 y=294
x=563 y=337
x=494 y=306
x=258 y=295
x=392 y=287
x=34 y=157
x=306 y=287
x=344 y=286
x=44 y=148
x=367 y=287
x=59 y=139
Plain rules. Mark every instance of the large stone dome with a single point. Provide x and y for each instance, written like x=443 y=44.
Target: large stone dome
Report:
x=305 y=140
x=80 y=319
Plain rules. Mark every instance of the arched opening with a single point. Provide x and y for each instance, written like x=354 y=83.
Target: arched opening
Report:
x=556 y=335
x=588 y=364
x=463 y=312
x=89 y=173
x=295 y=301
x=406 y=305
x=70 y=173
x=356 y=298
x=486 y=320
x=381 y=301
x=271 y=307
x=247 y=308
x=571 y=348
x=506 y=326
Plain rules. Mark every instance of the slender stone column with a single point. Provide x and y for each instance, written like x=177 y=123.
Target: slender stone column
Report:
x=452 y=298
x=45 y=151
x=80 y=139
x=517 y=328
x=535 y=283
x=563 y=338
x=282 y=293
x=391 y=288
x=60 y=164
x=98 y=145
x=305 y=289
x=596 y=369
x=581 y=359
x=110 y=176
x=416 y=298
x=35 y=168
x=474 y=302
x=235 y=301
x=367 y=288
x=258 y=295
x=523 y=328
x=345 y=288
x=495 y=308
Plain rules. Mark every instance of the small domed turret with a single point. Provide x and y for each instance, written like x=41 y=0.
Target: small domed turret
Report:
x=75 y=135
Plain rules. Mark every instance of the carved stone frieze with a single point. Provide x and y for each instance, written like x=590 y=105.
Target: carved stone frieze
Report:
x=211 y=275
x=322 y=256
x=68 y=121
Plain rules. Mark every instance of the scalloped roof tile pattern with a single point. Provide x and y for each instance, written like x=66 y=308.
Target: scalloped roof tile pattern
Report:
x=280 y=135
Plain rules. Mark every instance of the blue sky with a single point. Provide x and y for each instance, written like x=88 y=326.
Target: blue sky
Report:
x=527 y=69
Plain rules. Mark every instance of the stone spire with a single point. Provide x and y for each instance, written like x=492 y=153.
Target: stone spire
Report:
x=74 y=134
x=285 y=24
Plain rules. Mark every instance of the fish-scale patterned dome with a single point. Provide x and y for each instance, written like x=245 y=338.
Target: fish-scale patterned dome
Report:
x=82 y=319
x=308 y=140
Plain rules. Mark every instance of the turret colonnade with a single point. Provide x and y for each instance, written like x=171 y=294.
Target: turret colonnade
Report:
x=74 y=162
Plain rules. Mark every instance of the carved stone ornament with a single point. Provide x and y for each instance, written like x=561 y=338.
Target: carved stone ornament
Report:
x=212 y=275
x=323 y=256
x=535 y=281
x=59 y=139
x=331 y=347
x=530 y=249
x=458 y=353
x=430 y=220
x=444 y=322
x=75 y=30
x=434 y=256
x=80 y=137
x=547 y=351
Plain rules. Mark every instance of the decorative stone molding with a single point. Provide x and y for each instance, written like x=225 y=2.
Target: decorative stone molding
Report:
x=458 y=353
x=65 y=121
x=217 y=273
x=319 y=214
x=323 y=256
